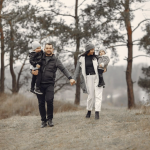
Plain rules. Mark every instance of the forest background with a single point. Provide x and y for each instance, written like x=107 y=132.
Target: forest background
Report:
x=122 y=27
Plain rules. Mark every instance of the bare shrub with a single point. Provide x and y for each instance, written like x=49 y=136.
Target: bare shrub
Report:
x=12 y=105
x=18 y=105
x=144 y=107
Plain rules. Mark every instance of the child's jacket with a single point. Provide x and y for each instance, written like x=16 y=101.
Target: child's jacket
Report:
x=35 y=58
x=103 y=60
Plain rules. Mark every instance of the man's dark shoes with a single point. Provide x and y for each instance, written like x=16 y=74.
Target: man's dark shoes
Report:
x=32 y=90
x=43 y=124
x=50 y=123
x=37 y=91
x=97 y=115
x=88 y=114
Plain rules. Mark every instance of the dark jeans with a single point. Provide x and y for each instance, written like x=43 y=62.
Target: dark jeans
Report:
x=36 y=79
x=101 y=80
x=47 y=96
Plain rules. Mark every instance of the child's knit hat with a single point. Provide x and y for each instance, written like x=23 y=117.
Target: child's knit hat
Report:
x=35 y=45
x=103 y=49
x=89 y=46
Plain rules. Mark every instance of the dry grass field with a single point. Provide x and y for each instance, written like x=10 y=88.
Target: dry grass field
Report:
x=117 y=129
x=12 y=105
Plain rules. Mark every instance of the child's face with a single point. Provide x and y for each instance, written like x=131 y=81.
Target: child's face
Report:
x=102 y=53
x=38 y=49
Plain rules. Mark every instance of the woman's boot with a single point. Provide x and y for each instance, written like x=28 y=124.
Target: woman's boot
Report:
x=97 y=115
x=88 y=114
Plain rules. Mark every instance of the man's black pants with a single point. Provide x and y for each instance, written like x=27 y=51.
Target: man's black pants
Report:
x=47 y=96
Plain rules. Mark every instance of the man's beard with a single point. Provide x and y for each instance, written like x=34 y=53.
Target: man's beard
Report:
x=49 y=54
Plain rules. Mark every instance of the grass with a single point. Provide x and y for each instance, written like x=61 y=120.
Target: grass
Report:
x=12 y=105
x=117 y=129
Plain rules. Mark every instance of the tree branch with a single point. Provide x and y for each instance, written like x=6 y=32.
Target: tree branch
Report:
x=116 y=46
x=136 y=57
x=58 y=14
x=19 y=74
x=61 y=86
x=140 y=55
x=81 y=3
x=137 y=8
x=135 y=40
x=139 y=24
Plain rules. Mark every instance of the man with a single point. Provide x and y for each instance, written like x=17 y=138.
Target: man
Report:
x=49 y=67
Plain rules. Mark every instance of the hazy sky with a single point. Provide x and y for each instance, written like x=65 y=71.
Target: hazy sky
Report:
x=122 y=51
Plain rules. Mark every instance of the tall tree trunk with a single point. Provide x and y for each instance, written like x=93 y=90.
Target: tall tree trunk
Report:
x=77 y=95
x=130 y=93
x=14 y=83
x=2 y=52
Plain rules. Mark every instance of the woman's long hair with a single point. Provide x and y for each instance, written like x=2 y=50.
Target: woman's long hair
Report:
x=85 y=54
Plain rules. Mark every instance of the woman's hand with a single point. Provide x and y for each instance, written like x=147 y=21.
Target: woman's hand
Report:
x=72 y=81
x=104 y=70
x=35 y=72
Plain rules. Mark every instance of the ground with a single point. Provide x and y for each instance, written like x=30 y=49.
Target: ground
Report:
x=117 y=129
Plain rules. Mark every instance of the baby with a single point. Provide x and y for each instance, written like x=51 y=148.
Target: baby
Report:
x=102 y=65
x=35 y=60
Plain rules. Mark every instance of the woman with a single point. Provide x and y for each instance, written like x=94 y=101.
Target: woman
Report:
x=87 y=67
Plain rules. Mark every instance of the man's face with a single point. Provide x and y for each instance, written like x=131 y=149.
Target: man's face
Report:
x=38 y=49
x=91 y=52
x=48 y=50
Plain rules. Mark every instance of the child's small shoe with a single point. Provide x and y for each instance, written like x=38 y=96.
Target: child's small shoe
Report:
x=37 y=91
x=32 y=90
x=101 y=85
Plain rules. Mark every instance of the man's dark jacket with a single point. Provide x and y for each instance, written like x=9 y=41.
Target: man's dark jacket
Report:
x=35 y=58
x=49 y=69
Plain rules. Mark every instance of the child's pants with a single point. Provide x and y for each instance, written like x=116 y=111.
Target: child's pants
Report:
x=36 y=79
x=94 y=93
x=101 y=80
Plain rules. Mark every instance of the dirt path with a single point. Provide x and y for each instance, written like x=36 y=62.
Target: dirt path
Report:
x=117 y=129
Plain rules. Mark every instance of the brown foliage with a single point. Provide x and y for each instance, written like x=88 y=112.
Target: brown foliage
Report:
x=17 y=104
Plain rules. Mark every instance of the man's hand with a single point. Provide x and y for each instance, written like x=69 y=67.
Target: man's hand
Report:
x=35 y=72
x=72 y=81
x=38 y=66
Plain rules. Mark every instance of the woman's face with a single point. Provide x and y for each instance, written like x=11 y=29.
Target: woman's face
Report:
x=91 y=52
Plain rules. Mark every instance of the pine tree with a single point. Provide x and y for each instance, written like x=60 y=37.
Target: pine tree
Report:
x=109 y=18
x=144 y=83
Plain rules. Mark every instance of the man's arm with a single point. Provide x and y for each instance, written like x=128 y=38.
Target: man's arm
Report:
x=64 y=71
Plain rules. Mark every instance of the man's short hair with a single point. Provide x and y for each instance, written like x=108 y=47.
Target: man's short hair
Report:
x=49 y=44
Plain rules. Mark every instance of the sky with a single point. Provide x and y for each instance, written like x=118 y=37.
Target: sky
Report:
x=122 y=51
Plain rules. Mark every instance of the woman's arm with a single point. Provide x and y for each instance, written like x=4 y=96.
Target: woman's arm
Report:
x=77 y=71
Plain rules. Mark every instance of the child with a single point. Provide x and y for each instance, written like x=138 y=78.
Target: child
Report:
x=35 y=60
x=102 y=64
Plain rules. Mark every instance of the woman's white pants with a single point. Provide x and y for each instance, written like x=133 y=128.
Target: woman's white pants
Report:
x=94 y=93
